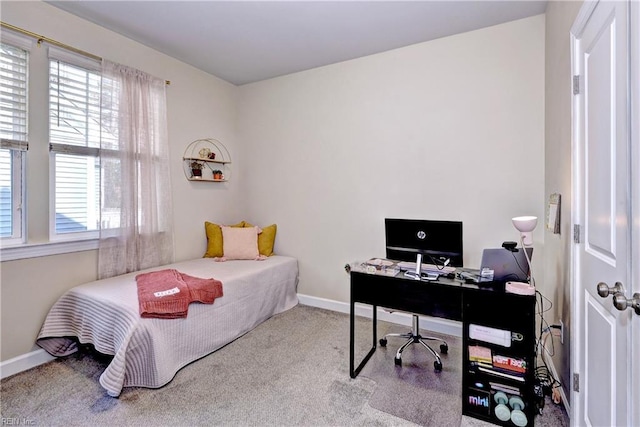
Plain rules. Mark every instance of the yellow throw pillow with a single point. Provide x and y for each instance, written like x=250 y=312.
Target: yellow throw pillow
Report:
x=215 y=247
x=266 y=239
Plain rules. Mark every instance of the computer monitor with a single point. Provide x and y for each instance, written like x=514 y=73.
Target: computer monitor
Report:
x=435 y=240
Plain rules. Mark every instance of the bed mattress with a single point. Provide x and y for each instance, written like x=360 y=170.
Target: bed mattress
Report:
x=149 y=352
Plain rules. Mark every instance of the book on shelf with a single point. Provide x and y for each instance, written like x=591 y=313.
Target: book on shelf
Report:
x=500 y=373
x=489 y=368
x=509 y=364
x=479 y=353
x=505 y=388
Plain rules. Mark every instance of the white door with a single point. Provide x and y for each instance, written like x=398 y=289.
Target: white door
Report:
x=604 y=391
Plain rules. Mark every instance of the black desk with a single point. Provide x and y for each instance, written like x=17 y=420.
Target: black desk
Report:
x=442 y=298
x=485 y=304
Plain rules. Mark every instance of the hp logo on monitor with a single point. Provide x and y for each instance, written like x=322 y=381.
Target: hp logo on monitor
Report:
x=421 y=235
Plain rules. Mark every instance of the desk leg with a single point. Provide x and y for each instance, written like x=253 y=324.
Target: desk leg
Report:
x=354 y=372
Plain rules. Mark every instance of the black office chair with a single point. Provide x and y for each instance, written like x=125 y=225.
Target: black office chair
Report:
x=408 y=240
x=415 y=337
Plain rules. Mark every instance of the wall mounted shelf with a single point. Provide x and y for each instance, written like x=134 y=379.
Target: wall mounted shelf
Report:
x=206 y=160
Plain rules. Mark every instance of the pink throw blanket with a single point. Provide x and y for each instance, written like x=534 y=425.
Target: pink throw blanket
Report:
x=166 y=294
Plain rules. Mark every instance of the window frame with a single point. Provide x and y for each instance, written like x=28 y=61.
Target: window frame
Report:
x=71 y=235
x=44 y=241
x=63 y=56
x=17 y=149
x=18 y=196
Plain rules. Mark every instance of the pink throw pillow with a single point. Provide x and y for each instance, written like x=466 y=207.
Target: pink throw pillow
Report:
x=240 y=243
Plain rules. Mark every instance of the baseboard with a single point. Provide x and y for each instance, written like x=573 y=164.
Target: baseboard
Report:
x=24 y=362
x=442 y=326
x=552 y=370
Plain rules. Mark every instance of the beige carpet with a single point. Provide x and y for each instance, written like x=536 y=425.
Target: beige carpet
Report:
x=291 y=370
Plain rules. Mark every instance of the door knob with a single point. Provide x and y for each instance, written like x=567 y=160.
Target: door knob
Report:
x=604 y=290
x=621 y=302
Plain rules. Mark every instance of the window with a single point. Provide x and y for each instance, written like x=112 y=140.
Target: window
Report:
x=74 y=136
x=75 y=121
x=13 y=137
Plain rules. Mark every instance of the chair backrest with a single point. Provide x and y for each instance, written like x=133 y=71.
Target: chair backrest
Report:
x=435 y=240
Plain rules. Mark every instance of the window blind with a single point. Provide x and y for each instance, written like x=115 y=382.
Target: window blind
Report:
x=13 y=133
x=74 y=136
x=13 y=97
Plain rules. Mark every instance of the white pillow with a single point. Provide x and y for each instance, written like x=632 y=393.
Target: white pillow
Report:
x=240 y=243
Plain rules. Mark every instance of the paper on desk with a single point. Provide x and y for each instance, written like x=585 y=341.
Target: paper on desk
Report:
x=426 y=268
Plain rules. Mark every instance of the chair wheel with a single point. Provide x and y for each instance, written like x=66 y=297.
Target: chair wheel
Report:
x=444 y=349
x=383 y=342
x=437 y=366
x=397 y=361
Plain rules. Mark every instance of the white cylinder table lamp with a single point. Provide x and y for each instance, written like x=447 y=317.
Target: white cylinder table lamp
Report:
x=525 y=225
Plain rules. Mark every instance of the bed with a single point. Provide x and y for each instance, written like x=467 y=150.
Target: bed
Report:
x=148 y=352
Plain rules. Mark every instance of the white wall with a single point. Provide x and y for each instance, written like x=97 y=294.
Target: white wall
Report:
x=199 y=106
x=449 y=129
x=557 y=285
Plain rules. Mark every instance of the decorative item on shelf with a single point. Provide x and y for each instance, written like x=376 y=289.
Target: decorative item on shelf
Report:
x=208 y=154
x=204 y=153
x=196 y=169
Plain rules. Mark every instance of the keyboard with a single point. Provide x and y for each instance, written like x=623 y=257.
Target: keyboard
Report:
x=426 y=268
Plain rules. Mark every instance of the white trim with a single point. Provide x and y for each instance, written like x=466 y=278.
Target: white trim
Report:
x=45 y=249
x=583 y=16
x=574 y=292
x=634 y=325
x=73 y=58
x=16 y=39
x=24 y=362
x=442 y=326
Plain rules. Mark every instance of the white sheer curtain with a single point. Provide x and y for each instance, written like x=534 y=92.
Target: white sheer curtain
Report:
x=135 y=207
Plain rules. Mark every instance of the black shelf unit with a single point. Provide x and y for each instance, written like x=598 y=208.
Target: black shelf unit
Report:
x=499 y=390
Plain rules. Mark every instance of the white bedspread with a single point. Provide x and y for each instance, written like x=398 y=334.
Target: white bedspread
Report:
x=149 y=352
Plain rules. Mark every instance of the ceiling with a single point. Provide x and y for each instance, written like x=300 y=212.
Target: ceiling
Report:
x=248 y=41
